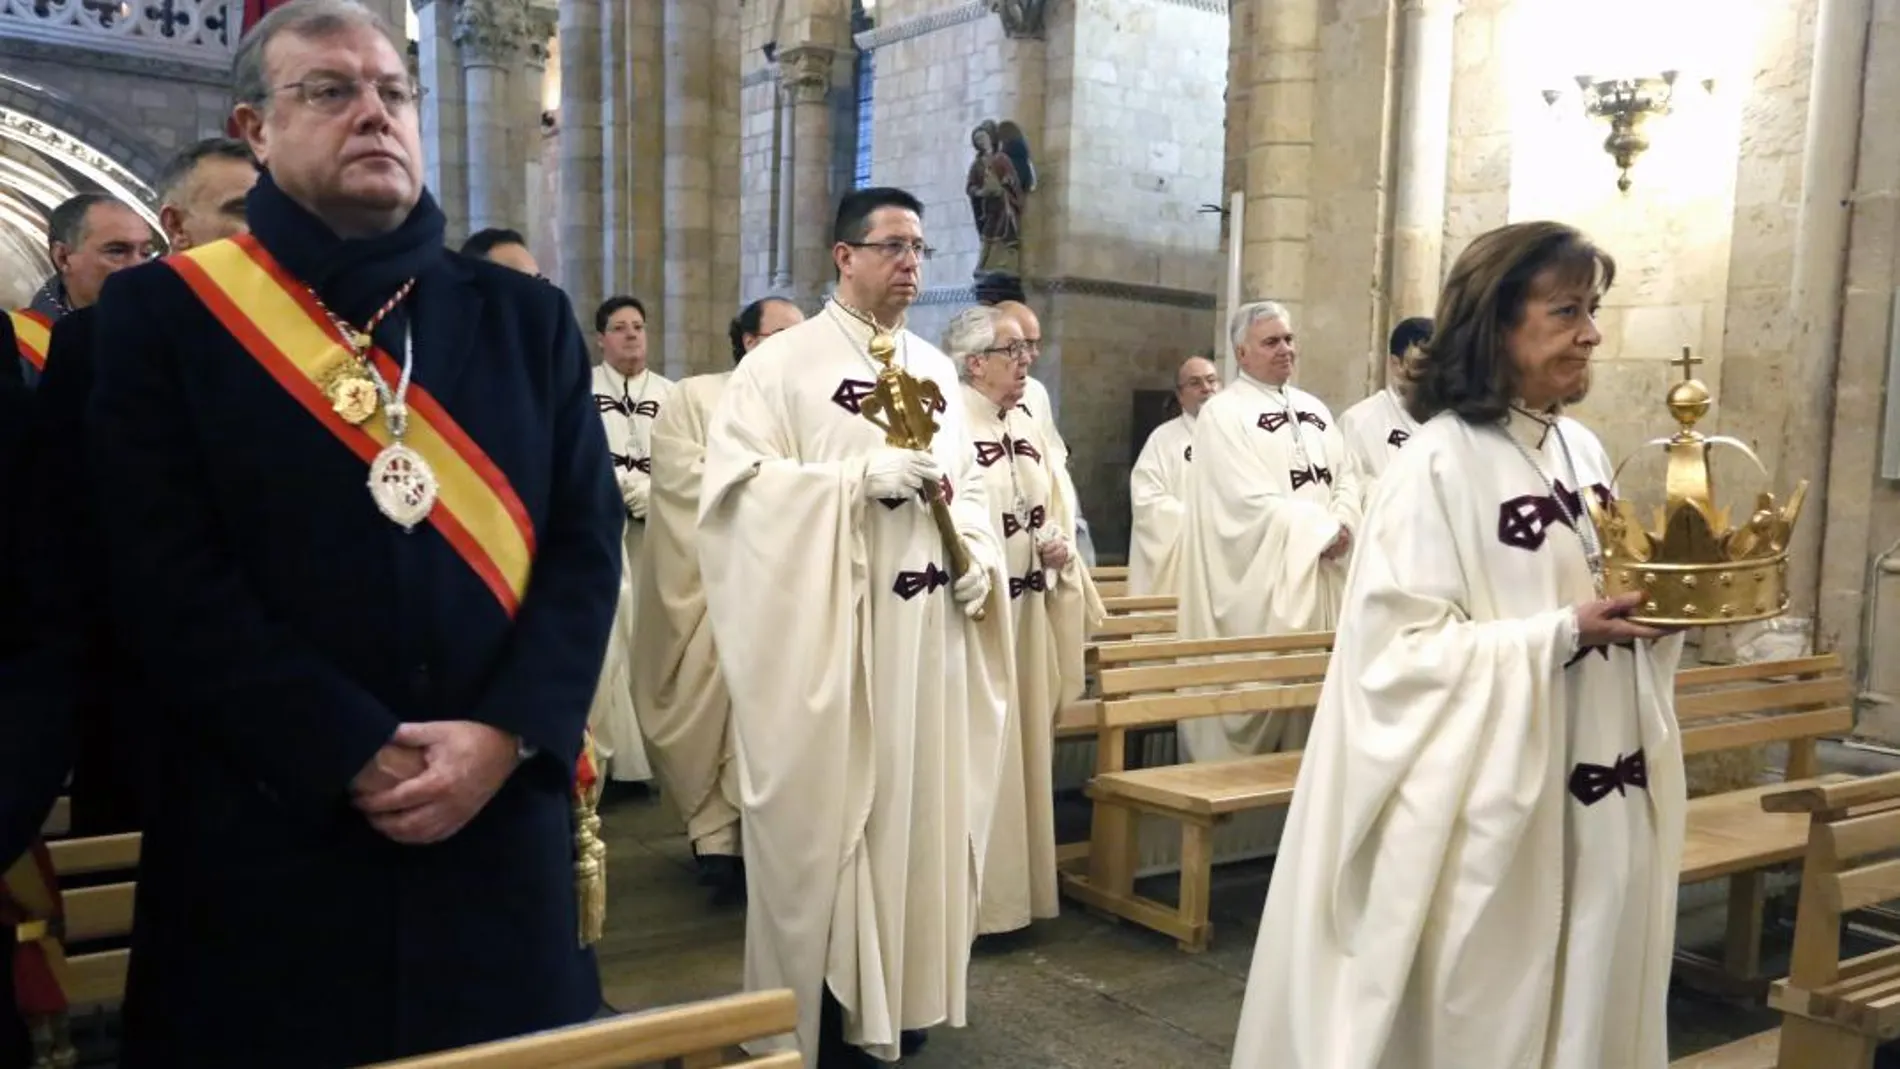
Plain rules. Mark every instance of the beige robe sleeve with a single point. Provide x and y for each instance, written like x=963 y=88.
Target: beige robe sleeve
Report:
x=1157 y=511
x=676 y=680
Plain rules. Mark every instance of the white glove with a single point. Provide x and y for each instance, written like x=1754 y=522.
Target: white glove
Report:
x=891 y=473
x=972 y=590
x=634 y=493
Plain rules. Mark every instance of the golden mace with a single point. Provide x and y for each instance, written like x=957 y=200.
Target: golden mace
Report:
x=903 y=407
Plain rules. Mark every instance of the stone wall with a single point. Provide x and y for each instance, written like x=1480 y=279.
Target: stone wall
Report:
x=1342 y=330
x=1669 y=233
x=1135 y=148
x=148 y=114
x=1478 y=180
x=1862 y=514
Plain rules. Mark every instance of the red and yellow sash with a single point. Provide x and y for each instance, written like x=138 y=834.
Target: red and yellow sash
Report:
x=30 y=904
x=277 y=320
x=32 y=332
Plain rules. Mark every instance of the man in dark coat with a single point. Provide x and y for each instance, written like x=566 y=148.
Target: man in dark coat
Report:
x=372 y=605
x=201 y=193
x=35 y=720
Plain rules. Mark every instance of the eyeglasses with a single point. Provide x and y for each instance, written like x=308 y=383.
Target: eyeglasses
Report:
x=895 y=250
x=1014 y=350
x=332 y=96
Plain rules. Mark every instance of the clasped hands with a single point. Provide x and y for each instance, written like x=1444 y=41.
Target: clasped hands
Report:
x=1339 y=546
x=430 y=779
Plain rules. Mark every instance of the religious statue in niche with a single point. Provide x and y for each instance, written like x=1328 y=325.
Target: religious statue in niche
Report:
x=1021 y=18
x=1000 y=179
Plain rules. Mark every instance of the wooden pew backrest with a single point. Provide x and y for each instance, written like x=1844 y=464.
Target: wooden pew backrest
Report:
x=698 y=1033
x=1794 y=701
x=1837 y=1011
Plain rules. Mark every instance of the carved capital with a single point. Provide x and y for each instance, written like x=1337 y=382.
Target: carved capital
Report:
x=804 y=73
x=1023 y=19
x=543 y=24
x=491 y=32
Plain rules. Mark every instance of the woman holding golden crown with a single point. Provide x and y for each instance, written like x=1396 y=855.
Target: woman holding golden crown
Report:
x=1479 y=869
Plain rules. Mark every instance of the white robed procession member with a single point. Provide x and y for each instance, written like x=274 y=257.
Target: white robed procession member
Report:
x=1479 y=869
x=1272 y=502
x=682 y=697
x=630 y=396
x=1053 y=606
x=1379 y=426
x=867 y=702
x=1158 y=481
x=1040 y=407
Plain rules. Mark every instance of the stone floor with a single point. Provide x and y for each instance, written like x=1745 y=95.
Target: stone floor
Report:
x=1072 y=993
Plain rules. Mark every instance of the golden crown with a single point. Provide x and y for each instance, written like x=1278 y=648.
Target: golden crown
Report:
x=1693 y=567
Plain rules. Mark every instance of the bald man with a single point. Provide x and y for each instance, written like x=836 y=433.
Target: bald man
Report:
x=1155 y=483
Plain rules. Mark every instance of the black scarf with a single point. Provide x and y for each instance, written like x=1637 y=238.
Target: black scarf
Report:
x=353 y=276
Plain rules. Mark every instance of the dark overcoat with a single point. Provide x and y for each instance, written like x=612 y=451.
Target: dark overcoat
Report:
x=286 y=628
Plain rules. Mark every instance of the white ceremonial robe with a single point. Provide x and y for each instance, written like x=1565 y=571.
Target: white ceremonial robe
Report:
x=1473 y=876
x=628 y=407
x=1037 y=406
x=1155 y=488
x=613 y=707
x=867 y=710
x=676 y=682
x=1049 y=610
x=1262 y=505
x=1375 y=429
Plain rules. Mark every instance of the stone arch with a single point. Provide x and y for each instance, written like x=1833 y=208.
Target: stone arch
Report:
x=52 y=146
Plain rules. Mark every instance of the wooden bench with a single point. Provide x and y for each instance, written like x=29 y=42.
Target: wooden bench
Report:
x=101 y=912
x=1720 y=708
x=693 y=1036
x=1728 y=836
x=1111 y=581
x=1144 y=685
x=1129 y=617
x=1836 y=1012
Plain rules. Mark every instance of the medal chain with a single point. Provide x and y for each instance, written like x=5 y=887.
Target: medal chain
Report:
x=1019 y=505
x=358 y=342
x=1580 y=520
x=903 y=359
x=1299 y=436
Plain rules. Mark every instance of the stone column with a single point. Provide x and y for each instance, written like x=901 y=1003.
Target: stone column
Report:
x=491 y=34
x=1424 y=143
x=728 y=144
x=616 y=213
x=1827 y=187
x=581 y=158
x=805 y=72
x=530 y=212
x=1285 y=57
x=1239 y=97
x=691 y=330
x=646 y=165
x=784 y=208
x=445 y=163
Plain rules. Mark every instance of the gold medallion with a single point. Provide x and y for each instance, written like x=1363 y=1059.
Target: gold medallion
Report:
x=354 y=398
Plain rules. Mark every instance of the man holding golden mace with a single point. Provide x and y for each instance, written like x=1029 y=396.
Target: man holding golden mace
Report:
x=849 y=565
